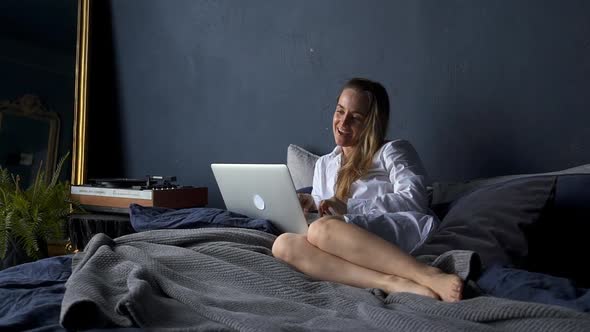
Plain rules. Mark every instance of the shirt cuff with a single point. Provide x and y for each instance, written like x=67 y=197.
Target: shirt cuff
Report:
x=357 y=206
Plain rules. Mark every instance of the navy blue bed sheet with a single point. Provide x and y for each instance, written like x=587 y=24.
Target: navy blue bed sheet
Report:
x=31 y=295
x=528 y=286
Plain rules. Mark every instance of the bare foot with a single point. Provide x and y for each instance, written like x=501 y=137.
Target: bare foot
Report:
x=448 y=286
x=395 y=284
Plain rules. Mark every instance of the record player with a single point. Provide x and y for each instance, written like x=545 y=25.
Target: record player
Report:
x=116 y=194
x=149 y=182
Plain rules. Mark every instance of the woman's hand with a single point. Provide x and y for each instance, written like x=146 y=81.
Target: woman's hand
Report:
x=332 y=206
x=307 y=203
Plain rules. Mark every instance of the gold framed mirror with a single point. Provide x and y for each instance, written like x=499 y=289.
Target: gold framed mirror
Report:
x=96 y=95
x=80 y=112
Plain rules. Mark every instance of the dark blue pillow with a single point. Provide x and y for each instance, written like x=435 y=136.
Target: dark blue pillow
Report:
x=491 y=221
x=150 y=218
x=558 y=241
x=305 y=190
x=572 y=193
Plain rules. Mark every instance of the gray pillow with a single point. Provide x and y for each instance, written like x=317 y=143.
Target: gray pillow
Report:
x=446 y=192
x=301 y=164
x=490 y=221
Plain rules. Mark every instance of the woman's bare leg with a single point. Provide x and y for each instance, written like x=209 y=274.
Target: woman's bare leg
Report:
x=295 y=250
x=360 y=247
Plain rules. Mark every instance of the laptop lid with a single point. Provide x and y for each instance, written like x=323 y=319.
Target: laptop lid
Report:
x=263 y=191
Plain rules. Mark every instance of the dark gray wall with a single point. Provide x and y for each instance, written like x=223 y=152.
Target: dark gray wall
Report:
x=481 y=88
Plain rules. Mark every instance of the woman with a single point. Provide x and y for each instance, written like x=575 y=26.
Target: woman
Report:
x=371 y=195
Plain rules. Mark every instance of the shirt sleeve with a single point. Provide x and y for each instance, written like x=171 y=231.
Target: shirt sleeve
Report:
x=318 y=182
x=408 y=177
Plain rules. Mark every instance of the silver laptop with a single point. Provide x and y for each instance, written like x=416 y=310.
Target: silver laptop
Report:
x=262 y=191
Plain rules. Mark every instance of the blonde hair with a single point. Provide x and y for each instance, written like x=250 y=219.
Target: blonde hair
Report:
x=371 y=138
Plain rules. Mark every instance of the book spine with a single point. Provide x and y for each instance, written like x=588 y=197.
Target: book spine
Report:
x=111 y=192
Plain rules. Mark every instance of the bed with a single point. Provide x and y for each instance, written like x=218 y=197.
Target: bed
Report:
x=517 y=241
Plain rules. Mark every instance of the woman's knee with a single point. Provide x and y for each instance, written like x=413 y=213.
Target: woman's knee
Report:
x=321 y=230
x=286 y=246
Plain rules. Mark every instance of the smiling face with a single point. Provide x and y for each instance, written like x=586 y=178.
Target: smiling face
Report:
x=349 y=118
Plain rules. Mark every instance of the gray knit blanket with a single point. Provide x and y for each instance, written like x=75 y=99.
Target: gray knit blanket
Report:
x=228 y=280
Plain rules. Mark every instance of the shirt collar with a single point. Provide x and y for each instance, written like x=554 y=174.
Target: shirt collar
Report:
x=336 y=155
x=337 y=150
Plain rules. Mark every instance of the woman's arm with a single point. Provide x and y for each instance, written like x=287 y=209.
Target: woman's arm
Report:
x=307 y=203
x=408 y=178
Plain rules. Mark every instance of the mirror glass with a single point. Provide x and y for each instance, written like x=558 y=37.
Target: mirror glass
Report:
x=30 y=136
x=38 y=67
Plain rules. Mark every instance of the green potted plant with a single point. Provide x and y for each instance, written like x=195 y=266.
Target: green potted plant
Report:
x=31 y=217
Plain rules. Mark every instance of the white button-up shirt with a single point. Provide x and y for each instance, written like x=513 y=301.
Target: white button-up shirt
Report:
x=391 y=198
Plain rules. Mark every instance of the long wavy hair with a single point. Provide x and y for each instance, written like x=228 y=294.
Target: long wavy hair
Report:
x=371 y=138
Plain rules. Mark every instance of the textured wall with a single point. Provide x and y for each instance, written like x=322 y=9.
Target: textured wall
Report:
x=481 y=88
